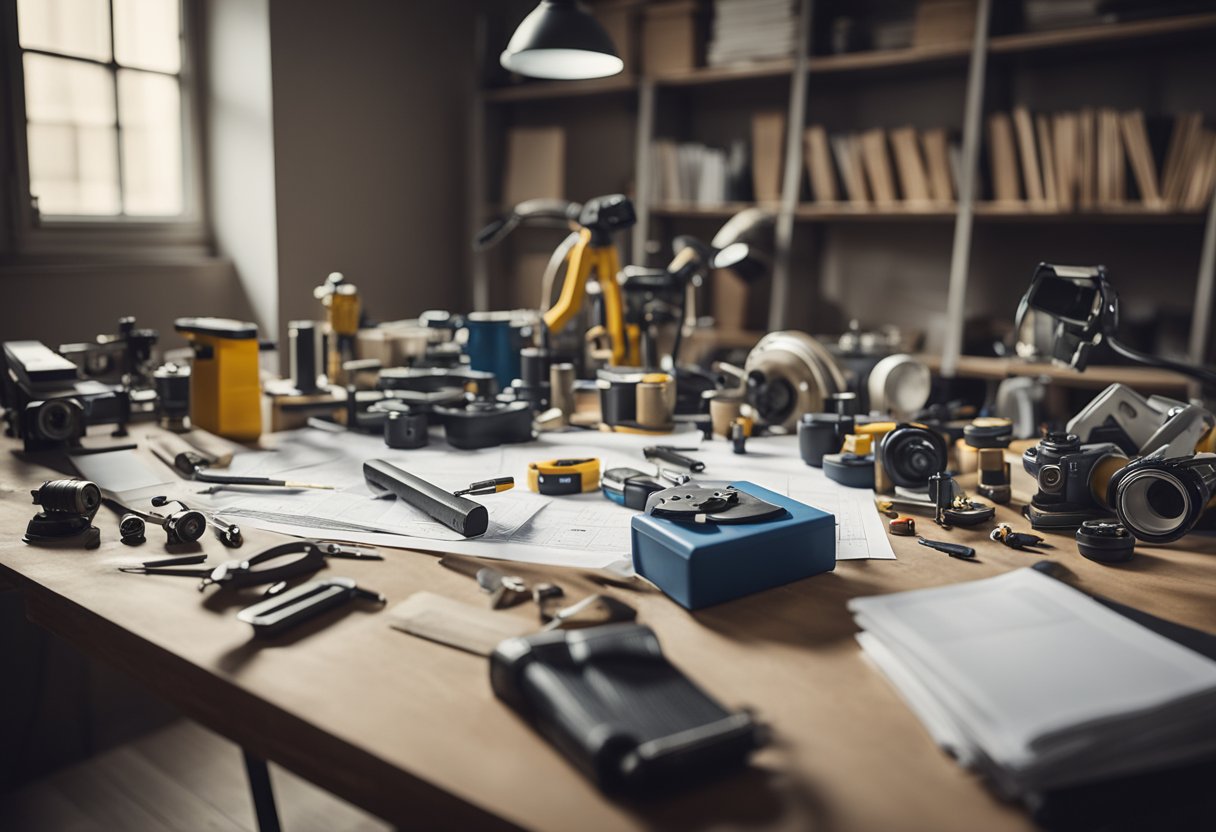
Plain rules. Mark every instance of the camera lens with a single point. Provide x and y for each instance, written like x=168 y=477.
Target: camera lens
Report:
x=68 y=497
x=1051 y=478
x=1155 y=505
x=911 y=454
x=59 y=420
x=188 y=526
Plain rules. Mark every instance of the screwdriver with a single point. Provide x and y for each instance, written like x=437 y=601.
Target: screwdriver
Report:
x=493 y=486
x=954 y=550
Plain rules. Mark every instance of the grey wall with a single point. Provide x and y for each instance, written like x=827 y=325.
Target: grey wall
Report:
x=371 y=100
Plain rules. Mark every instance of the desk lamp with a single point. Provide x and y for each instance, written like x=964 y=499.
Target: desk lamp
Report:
x=560 y=40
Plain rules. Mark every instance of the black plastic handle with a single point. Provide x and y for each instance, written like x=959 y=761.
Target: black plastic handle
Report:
x=457 y=513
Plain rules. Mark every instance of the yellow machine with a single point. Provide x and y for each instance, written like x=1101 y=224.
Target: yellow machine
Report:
x=225 y=395
x=341 y=302
x=595 y=253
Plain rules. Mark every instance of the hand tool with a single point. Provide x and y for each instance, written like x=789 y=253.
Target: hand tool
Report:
x=460 y=514
x=194 y=466
x=954 y=550
x=558 y=477
x=667 y=453
x=303 y=602
x=493 y=486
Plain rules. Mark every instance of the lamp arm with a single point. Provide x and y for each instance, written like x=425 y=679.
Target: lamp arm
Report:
x=1199 y=373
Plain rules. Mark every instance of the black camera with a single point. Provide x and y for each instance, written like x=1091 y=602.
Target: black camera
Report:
x=1072 y=480
x=1159 y=499
x=68 y=507
x=46 y=403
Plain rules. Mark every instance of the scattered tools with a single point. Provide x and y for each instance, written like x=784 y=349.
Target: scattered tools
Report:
x=294 y=606
x=504 y=590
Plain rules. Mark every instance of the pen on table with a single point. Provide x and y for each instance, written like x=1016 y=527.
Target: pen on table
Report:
x=194 y=467
x=673 y=455
x=493 y=486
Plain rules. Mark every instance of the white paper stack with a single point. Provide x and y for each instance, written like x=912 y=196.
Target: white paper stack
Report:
x=1036 y=685
x=752 y=30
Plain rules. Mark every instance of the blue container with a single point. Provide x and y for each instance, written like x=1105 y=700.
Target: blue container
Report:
x=495 y=339
x=698 y=565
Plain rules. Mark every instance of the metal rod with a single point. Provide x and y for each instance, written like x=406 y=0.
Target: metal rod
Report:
x=960 y=256
x=643 y=152
x=262 y=792
x=792 y=174
x=1201 y=323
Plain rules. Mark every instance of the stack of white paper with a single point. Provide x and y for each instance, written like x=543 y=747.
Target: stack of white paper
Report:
x=1036 y=685
x=752 y=30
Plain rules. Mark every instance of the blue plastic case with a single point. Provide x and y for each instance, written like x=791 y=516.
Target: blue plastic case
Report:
x=698 y=565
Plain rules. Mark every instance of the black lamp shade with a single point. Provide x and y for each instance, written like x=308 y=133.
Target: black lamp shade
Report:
x=560 y=40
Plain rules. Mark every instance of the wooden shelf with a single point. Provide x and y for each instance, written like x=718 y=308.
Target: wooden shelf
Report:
x=547 y=90
x=877 y=59
x=1101 y=33
x=1097 y=376
x=724 y=211
x=846 y=212
x=702 y=76
x=1128 y=213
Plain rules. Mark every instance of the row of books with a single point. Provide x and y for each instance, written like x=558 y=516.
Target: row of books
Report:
x=881 y=167
x=752 y=30
x=1101 y=158
x=690 y=173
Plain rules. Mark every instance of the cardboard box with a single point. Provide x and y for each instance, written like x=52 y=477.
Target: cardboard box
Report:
x=673 y=37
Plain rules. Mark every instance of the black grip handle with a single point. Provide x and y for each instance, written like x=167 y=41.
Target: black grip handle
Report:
x=457 y=513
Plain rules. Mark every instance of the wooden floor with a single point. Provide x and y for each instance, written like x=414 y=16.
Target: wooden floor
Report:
x=181 y=778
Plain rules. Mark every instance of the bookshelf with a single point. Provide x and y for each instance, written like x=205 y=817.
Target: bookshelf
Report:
x=977 y=78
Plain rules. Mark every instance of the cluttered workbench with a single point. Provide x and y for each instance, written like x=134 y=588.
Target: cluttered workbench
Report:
x=411 y=731
x=461 y=584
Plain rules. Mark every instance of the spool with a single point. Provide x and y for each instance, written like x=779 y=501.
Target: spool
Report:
x=561 y=388
x=723 y=411
x=654 y=412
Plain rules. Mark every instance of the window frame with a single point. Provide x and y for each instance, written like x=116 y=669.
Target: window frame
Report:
x=31 y=236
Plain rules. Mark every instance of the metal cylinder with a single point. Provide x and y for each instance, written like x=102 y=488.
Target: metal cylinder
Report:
x=303 y=343
x=561 y=388
x=723 y=411
x=653 y=410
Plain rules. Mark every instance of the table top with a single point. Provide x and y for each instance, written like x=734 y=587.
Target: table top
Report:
x=411 y=730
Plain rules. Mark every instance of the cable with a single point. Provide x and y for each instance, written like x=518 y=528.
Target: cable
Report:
x=1199 y=373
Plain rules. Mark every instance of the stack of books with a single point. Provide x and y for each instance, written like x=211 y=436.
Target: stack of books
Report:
x=904 y=166
x=1101 y=159
x=1037 y=686
x=690 y=173
x=752 y=30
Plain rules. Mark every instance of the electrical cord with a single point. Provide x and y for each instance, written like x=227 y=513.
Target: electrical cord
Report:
x=1199 y=373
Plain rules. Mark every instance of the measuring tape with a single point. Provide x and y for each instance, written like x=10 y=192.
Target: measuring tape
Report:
x=564 y=476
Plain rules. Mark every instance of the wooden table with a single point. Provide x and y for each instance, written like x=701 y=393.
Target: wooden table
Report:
x=411 y=731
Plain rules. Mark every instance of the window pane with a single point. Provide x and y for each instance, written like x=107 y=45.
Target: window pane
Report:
x=150 y=112
x=147 y=34
x=74 y=27
x=71 y=135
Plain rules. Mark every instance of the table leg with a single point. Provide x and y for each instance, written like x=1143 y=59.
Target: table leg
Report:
x=263 y=794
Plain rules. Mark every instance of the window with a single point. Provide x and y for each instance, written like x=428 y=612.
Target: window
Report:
x=107 y=123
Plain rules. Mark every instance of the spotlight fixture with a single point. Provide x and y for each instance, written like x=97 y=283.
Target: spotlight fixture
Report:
x=560 y=40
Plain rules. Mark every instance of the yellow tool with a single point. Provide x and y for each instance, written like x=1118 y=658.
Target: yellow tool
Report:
x=594 y=252
x=564 y=476
x=225 y=395
x=341 y=302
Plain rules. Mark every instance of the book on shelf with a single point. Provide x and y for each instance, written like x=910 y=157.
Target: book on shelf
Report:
x=879 y=168
x=1001 y=157
x=691 y=173
x=1101 y=158
x=768 y=148
x=943 y=22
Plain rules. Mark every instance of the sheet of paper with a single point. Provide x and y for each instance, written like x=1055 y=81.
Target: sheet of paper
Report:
x=586 y=531
x=122 y=474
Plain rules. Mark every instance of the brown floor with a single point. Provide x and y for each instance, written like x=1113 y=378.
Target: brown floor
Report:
x=181 y=778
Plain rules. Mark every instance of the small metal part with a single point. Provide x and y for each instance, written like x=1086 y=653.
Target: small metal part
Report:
x=1105 y=541
x=902 y=526
x=954 y=550
x=1005 y=534
x=738 y=437
x=590 y=612
x=132 y=530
